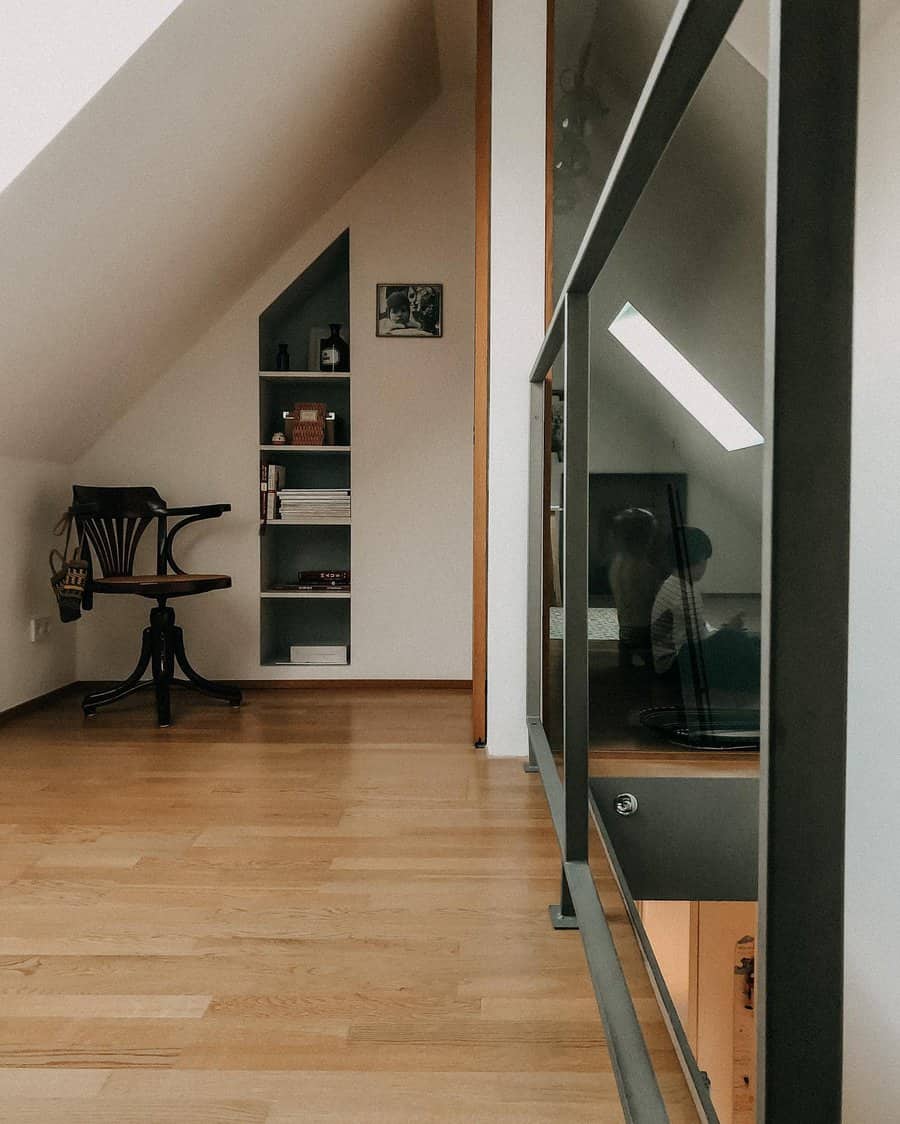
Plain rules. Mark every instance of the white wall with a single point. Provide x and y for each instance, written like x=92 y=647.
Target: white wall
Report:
x=517 y=328
x=32 y=495
x=872 y=1022
x=195 y=433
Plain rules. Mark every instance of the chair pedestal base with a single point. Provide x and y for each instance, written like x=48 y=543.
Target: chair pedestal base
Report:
x=162 y=649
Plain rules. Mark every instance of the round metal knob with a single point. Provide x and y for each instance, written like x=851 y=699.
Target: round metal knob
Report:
x=626 y=804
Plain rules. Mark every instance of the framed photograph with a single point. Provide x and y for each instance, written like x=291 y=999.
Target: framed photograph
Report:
x=409 y=309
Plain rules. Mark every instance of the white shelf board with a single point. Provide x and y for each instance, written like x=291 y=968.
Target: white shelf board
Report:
x=303 y=376
x=323 y=594
x=289 y=663
x=304 y=448
x=337 y=522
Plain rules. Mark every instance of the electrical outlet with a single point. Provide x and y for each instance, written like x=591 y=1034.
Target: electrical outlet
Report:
x=40 y=628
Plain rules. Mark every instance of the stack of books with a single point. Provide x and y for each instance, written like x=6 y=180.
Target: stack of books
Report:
x=271 y=478
x=324 y=579
x=314 y=505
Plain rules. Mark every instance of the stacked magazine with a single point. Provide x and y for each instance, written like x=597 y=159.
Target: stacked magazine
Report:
x=314 y=505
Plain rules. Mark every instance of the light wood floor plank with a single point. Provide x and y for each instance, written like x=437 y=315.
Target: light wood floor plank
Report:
x=325 y=907
x=65 y=1111
x=105 y=1006
x=31 y=1084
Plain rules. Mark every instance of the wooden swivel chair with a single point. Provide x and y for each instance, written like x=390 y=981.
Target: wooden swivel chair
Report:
x=110 y=524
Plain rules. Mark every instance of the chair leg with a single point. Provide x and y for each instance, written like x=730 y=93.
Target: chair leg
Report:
x=196 y=681
x=162 y=623
x=162 y=649
x=133 y=683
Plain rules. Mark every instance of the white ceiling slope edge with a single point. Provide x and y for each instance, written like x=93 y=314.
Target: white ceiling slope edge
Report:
x=231 y=130
x=54 y=56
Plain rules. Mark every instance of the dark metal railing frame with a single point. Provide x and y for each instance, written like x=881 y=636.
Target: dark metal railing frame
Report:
x=809 y=288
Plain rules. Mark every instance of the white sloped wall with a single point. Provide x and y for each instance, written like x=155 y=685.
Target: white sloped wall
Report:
x=32 y=495
x=194 y=434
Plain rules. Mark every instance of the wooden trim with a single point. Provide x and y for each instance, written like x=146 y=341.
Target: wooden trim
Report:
x=37 y=701
x=357 y=684
x=692 y=1029
x=482 y=369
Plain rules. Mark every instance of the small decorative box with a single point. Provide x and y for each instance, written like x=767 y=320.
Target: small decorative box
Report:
x=308 y=423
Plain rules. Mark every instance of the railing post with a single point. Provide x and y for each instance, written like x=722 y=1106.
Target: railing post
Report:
x=576 y=735
x=535 y=610
x=813 y=77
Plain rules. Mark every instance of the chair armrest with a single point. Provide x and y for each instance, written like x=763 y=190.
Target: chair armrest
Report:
x=191 y=515
x=204 y=511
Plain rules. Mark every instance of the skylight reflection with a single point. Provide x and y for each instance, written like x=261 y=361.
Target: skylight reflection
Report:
x=683 y=381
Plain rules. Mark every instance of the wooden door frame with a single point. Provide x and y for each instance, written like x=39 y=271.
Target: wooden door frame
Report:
x=483 y=80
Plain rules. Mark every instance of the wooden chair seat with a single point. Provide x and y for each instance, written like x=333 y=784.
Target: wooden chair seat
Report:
x=162 y=585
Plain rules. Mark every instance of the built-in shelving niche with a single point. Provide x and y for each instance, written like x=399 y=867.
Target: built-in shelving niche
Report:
x=320 y=296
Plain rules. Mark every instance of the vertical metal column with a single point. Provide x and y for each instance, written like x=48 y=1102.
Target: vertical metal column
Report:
x=813 y=78
x=575 y=584
x=535 y=563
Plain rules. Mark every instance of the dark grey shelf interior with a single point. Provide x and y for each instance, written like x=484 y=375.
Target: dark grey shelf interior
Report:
x=318 y=297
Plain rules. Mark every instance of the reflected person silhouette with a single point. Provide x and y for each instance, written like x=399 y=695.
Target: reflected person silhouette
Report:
x=634 y=578
x=730 y=654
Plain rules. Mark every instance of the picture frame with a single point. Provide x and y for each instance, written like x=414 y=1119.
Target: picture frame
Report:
x=409 y=310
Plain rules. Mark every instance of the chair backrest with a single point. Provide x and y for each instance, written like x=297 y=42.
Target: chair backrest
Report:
x=113 y=521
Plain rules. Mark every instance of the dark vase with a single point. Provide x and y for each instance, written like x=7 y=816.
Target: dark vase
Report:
x=283 y=358
x=334 y=353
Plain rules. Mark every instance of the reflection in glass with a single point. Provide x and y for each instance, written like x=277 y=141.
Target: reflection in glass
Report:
x=707 y=954
x=554 y=541
x=675 y=516
x=683 y=381
x=602 y=57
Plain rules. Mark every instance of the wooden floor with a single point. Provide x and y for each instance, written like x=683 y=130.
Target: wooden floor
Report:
x=323 y=907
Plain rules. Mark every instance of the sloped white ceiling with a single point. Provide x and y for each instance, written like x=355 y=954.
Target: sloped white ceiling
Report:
x=749 y=33
x=223 y=137
x=54 y=56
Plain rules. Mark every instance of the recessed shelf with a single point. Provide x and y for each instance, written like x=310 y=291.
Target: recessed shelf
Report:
x=304 y=448
x=314 y=594
x=290 y=617
x=303 y=376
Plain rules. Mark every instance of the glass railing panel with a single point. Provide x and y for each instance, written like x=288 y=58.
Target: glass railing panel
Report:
x=675 y=563
x=602 y=56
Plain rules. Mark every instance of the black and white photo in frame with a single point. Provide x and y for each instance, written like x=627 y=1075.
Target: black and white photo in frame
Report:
x=409 y=309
